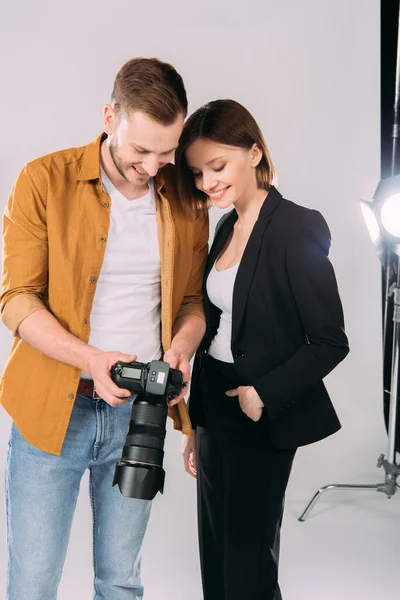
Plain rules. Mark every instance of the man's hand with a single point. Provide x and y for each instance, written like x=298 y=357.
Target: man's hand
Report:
x=99 y=366
x=178 y=360
x=188 y=450
x=250 y=402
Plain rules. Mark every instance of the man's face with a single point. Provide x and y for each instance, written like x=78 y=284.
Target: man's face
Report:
x=139 y=146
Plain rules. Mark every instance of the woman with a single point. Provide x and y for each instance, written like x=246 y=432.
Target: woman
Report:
x=274 y=331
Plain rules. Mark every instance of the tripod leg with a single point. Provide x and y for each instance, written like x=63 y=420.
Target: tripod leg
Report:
x=333 y=486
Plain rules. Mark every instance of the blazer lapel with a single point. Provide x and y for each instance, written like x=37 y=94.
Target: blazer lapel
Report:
x=220 y=240
x=250 y=258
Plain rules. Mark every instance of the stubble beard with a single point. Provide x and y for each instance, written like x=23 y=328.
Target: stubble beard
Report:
x=116 y=160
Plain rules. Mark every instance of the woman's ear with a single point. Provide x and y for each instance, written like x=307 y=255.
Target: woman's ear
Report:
x=255 y=155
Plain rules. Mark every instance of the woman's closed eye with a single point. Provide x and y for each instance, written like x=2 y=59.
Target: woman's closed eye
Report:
x=197 y=175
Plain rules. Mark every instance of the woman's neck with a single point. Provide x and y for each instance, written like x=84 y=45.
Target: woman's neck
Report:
x=249 y=210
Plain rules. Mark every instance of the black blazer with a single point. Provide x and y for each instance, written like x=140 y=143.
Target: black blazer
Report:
x=287 y=322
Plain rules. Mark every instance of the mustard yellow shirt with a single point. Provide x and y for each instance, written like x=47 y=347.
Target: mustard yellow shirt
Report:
x=55 y=230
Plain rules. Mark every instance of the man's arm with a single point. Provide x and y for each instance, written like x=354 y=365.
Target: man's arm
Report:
x=189 y=326
x=25 y=250
x=187 y=333
x=42 y=331
x=192 y=302
x=24 y=284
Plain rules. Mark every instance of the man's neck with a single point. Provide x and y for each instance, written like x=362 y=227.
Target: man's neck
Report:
x=130 y=190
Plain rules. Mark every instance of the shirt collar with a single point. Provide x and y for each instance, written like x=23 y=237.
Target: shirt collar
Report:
x=90 y=167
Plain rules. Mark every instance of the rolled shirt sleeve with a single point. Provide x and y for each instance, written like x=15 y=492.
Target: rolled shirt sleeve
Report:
x=25 y=250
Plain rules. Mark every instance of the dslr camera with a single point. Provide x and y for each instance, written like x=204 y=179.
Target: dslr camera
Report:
x=140 y=473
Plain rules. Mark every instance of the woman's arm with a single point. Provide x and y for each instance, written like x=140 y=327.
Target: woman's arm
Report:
x=315 y=293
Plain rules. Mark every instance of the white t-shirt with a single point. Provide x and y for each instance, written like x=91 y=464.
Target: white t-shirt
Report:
x=126 y=312
x=220 y=291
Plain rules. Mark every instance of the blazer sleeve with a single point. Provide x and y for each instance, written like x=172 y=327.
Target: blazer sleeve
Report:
x=315 y=294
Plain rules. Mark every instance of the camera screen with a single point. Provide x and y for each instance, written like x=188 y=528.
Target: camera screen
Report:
x=131 y=373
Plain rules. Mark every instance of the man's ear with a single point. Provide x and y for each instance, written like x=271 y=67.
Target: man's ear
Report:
x=109 y=119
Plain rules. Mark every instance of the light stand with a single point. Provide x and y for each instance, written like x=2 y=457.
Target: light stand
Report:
x=387 y=241
x=392 y=470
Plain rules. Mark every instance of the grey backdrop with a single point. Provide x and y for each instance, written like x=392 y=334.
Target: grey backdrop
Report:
x=309 y=72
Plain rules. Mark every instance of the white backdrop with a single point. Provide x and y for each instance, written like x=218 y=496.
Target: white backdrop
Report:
x=309 y=72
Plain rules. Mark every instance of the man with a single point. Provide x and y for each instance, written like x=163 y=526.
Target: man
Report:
x=100 y=264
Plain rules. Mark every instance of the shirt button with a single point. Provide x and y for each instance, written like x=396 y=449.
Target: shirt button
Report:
x=87 y=320
x=93 y=280
x=70 y=396
x=105 y=204
x=103 y=239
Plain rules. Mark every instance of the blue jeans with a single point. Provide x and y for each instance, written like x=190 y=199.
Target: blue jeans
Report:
x=41 y=495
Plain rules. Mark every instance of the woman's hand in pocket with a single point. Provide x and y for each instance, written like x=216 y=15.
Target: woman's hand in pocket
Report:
x=250 y=402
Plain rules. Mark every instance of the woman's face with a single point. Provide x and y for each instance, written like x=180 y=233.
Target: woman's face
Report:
x=226 y=174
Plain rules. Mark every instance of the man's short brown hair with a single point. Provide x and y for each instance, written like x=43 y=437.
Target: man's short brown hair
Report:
x=151 y=86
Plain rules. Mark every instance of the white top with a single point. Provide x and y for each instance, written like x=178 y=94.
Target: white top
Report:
x=126 y=313
x=220 y=291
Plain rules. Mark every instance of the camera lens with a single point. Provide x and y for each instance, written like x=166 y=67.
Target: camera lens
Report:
x=139 y=474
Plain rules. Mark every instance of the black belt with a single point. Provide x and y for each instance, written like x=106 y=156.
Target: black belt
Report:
x=86 y=388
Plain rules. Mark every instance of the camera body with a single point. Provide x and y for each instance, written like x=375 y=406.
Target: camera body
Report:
x=139 y=473
x=156 y=380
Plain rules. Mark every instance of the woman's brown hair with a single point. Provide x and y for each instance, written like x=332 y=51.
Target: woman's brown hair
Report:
x=224 y=122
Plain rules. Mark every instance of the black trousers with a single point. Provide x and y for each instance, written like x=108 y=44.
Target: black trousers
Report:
x=241 y=483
